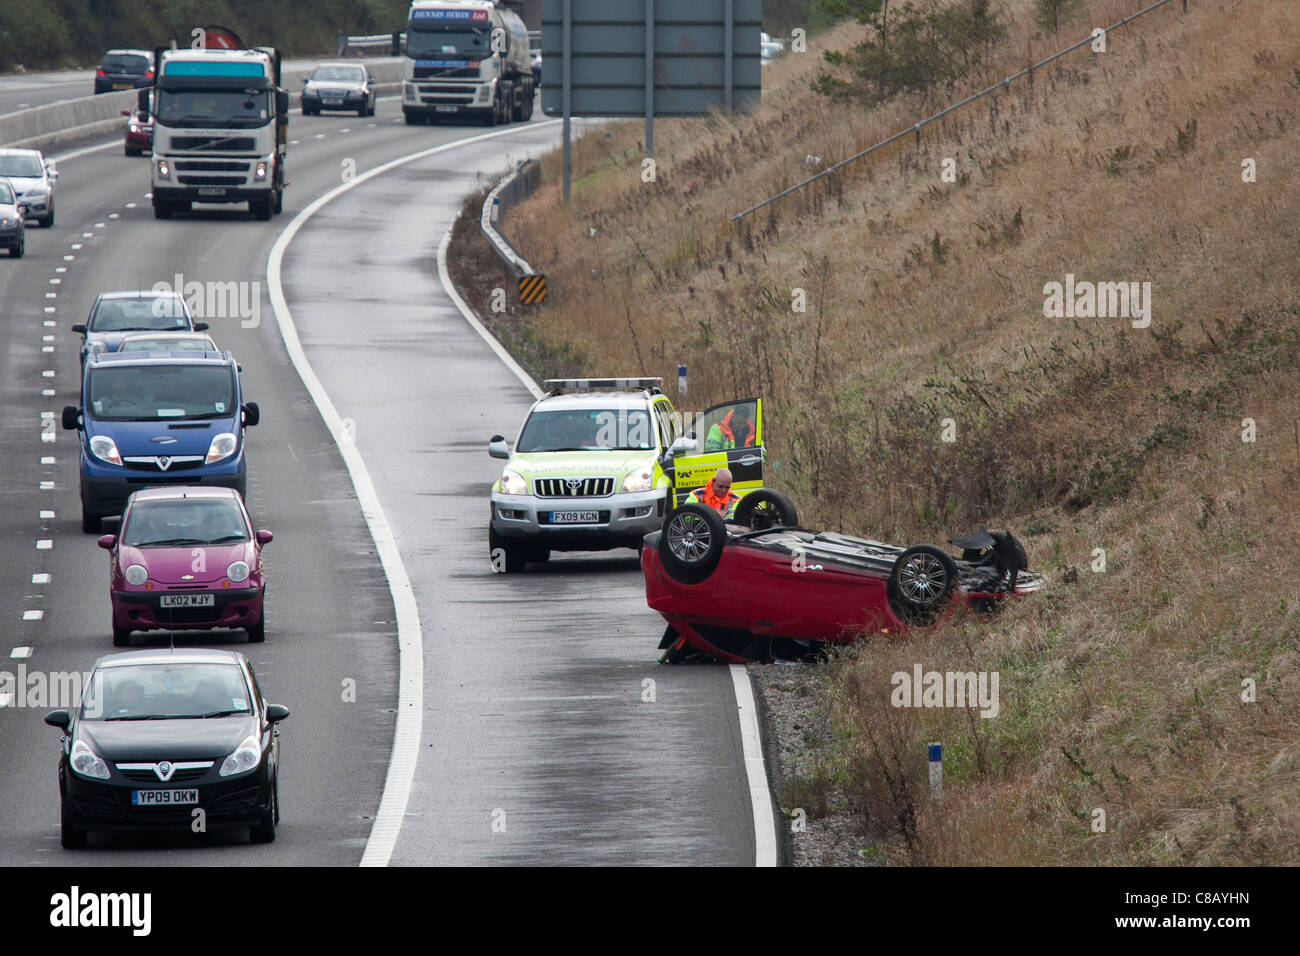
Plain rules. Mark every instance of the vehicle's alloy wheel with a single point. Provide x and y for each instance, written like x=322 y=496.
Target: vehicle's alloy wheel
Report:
x=691 y=543
x=921 y=584
x=766 y=508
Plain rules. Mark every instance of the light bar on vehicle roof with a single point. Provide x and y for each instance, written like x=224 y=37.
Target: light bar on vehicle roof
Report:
x=555 y=385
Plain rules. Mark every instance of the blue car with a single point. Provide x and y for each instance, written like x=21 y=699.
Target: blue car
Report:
x=114 y=315
x=155 y=419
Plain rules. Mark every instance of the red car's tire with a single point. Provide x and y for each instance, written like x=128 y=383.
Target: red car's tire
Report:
x=921 y=584
x=766 y=508
x=691 y=543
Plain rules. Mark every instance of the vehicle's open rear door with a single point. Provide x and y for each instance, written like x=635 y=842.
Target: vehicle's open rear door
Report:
x=727 y=435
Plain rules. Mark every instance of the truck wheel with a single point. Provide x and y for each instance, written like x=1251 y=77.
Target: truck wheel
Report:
x=162 y=209
x=690 y=546
x=260 y=208
x=411 y=118
x=921 y=584
x=277 y=203
x=766 y=508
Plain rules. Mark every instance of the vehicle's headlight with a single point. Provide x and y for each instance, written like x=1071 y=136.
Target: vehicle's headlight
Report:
x=408 y=91
x=238 y=571
x=6 y=222
x=164 y=170
x=85 y=762
x=105 y=449
x=639 y=480
x=261 y=170
x=512 y=483
x=97 y=346
x=483 y=93
x=133 y=127
x=136 y=575
x=245 y=758
x=223 y=446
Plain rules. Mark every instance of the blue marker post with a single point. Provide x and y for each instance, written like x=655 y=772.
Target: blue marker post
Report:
x=681 y=382
x=936 y=771
x=496 y=210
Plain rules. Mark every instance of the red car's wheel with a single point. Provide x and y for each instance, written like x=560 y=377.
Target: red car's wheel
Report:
x=921 y=584
x=691 y=543
x=766 y=508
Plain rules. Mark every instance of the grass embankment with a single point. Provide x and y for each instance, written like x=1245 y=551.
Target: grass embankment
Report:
x=1121 y=689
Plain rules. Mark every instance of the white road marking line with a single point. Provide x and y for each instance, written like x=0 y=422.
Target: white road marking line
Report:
x=47 y=392
x=130 y=205
x=48 y=323
x=114 y=215
x=410 y=640
x=87 y=235
x=20 y=653
x=56 y=281
x=99 y=225
x=33 y=615
x=76 y=245
x=47 y=338
x=47 y=348
x=45 y=544
x=46 y=516
x=40 y=577
x=47 y=310
x=760 y=797
x=62 y=268
x=319 y=136
x=46 y=486
x=69 y=257
x=51 y=295
x=47 y=460
x=48 y=373
x=64 y=157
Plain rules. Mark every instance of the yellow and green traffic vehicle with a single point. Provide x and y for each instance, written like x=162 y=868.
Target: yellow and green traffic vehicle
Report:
x=599 y=463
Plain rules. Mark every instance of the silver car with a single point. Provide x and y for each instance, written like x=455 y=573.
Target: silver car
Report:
x=32 y=177
x=12 y=232
x=167 y=342
x=339 y=86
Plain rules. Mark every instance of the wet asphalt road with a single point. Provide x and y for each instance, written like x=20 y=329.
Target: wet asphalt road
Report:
x=538 y=742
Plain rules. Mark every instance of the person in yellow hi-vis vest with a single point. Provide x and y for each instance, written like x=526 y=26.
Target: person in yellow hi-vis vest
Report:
x=716 y=494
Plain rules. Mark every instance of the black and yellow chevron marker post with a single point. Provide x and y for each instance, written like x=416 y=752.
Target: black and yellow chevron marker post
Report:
x=532 y=289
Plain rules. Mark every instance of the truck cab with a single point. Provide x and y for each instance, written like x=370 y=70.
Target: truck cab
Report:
x=220 y=127
x=465 y=59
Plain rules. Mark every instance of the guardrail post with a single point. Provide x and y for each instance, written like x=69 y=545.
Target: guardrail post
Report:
x=681 y=383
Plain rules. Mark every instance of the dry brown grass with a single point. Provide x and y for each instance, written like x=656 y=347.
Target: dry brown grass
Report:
x=1121 y=691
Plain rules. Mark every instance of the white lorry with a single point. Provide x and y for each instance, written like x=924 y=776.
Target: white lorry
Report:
x=465 y=58
x=220 y=128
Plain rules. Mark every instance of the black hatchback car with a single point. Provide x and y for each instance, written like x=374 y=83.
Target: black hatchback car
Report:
x=170 y=739
x=124 y=70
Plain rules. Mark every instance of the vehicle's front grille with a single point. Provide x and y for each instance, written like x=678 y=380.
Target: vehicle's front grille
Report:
x=186 y=615
x=230 y=145
x=150 y=463
x=211 y=180
x=446 y=100
x=211 y=165
x=148 y=776
x=334 y=94
x=431 y=72
x=573 y=487
x=458 y=88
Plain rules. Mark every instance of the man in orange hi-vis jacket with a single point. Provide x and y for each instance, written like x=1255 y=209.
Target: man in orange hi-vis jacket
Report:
x=716 y=494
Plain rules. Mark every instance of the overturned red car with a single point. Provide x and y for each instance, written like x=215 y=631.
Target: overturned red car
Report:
x=742 y=592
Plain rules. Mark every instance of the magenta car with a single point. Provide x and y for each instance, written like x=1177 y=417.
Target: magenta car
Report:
x=186 y=558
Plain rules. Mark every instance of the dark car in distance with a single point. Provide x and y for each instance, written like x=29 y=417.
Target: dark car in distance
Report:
x=165 y=739
x=124 y=70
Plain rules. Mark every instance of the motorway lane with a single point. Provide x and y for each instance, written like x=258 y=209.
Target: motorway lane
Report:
x=534 y=709
x=330 y=612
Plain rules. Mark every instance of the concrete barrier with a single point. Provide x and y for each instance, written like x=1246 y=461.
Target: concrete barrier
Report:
x=44 y=127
